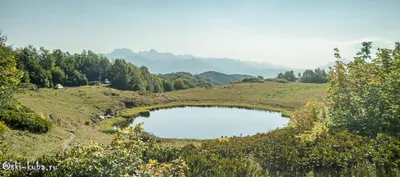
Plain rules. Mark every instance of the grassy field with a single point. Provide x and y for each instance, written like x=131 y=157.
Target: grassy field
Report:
x=285 y=97
x=71 y=108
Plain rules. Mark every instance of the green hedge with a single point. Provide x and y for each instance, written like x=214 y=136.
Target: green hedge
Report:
x=22 y=118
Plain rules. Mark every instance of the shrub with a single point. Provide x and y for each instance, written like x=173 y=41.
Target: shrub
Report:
x=335 y=153
x=28 y=86
x=94 y=83
x=125 y=156
x=179 y=84
x=3 y=149
x=22 y=118
x=162 y=154
x=3 y=127
x=305 y=118
x=253 y=80
x=202 y=162
x=281 y=80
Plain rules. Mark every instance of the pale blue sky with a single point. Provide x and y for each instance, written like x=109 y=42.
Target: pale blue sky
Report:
x=284 y=32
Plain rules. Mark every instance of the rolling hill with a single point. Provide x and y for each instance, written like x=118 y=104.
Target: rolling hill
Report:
x=206 y=78
x=222 y=79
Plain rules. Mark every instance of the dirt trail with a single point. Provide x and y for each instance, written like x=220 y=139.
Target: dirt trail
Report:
x=69 y=140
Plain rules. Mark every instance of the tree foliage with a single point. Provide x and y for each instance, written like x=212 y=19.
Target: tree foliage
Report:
x=46 y=69
x=316 y=76
x=309 y=76
x=288 y=75
x=179 y=84
x=364 y=95
x=189 y=80
x=9 y=74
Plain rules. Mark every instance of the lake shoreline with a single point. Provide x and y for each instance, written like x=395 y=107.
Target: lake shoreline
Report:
x=107 y=125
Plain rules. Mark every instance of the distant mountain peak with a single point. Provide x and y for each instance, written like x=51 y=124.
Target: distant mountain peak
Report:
x=122 y=52
x=165 y=62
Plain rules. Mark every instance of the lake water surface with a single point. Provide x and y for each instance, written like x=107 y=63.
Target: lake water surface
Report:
x=208 y=123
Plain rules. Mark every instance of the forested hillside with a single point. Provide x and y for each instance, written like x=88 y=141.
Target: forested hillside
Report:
x=220 y=78
x=206 y=79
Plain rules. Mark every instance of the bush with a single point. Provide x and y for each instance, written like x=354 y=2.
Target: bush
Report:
x=124 y=156
x=253 y=80
x=3 y=127
x=3 y=149
x=305 y=118
x=331 y=154
x=162 y=154
x=202 y=162
x=28 y=86
x=281 y=80
x=94 y=83
x=22 y=118
x=179 y=84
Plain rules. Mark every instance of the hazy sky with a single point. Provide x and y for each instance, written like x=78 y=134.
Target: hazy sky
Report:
x=284 y=32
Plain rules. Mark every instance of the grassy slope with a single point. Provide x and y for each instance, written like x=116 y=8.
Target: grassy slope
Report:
x=71 y=107
x=282 y=96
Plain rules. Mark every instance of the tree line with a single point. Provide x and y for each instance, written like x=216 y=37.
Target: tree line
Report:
x=308 y=76
x=45 y=69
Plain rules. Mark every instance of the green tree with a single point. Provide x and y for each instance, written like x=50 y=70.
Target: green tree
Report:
x=58 y=75
x=167 y=85
x=158 y=84
x=316 y=76
x=137 y=82
x=10 y=76
x=31 y=61
x=119 y=74
x=179 y=84
x=76 y=79
x=147 y=79
x=364 y=95
x=46 y=60
x=288 y=75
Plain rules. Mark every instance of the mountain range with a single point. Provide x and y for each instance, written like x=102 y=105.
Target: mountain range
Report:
x=162 y=63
